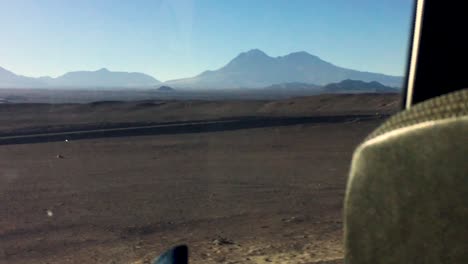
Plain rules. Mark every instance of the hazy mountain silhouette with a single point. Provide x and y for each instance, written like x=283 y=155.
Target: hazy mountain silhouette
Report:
x=80 y=79
x=11 y=80
x=350 y=86
x=103 y=78
x=255 y=69
x=165 y=89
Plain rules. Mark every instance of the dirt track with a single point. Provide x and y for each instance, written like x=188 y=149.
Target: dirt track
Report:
x=128 y=129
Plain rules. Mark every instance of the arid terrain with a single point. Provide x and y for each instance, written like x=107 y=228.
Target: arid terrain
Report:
x=235 y=194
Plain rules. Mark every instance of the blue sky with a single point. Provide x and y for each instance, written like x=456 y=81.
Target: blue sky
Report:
x=180 y=38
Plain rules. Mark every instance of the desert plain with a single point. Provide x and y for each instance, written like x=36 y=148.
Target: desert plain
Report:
x=238 y=181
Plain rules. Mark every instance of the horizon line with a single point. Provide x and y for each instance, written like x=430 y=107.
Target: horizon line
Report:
x=181 y=78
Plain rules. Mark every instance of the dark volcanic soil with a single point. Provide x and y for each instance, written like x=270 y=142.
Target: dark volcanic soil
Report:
x=262 y=195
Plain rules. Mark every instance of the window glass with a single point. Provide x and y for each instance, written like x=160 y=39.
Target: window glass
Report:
x=128 y=127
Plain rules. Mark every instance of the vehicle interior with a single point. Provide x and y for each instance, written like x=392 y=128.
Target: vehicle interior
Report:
x=407 y=189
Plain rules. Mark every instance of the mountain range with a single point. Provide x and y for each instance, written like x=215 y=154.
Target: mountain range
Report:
x=255 y=69
x=345 y=86
x=251 y=69
x=102 y=78
x=11 y=80
x=356 y=86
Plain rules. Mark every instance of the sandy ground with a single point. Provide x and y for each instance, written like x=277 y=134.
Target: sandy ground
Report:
x=263 y=195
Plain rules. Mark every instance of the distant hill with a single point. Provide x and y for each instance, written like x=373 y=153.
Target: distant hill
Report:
x=346 y=86
x=103 y=78
x=10 y=80
x=255 y=69
x=165 y=89
x=356 y=86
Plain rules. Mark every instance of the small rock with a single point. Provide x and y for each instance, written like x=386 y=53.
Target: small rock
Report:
x=292 y=220
x=220 y=241
x=220 y=259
